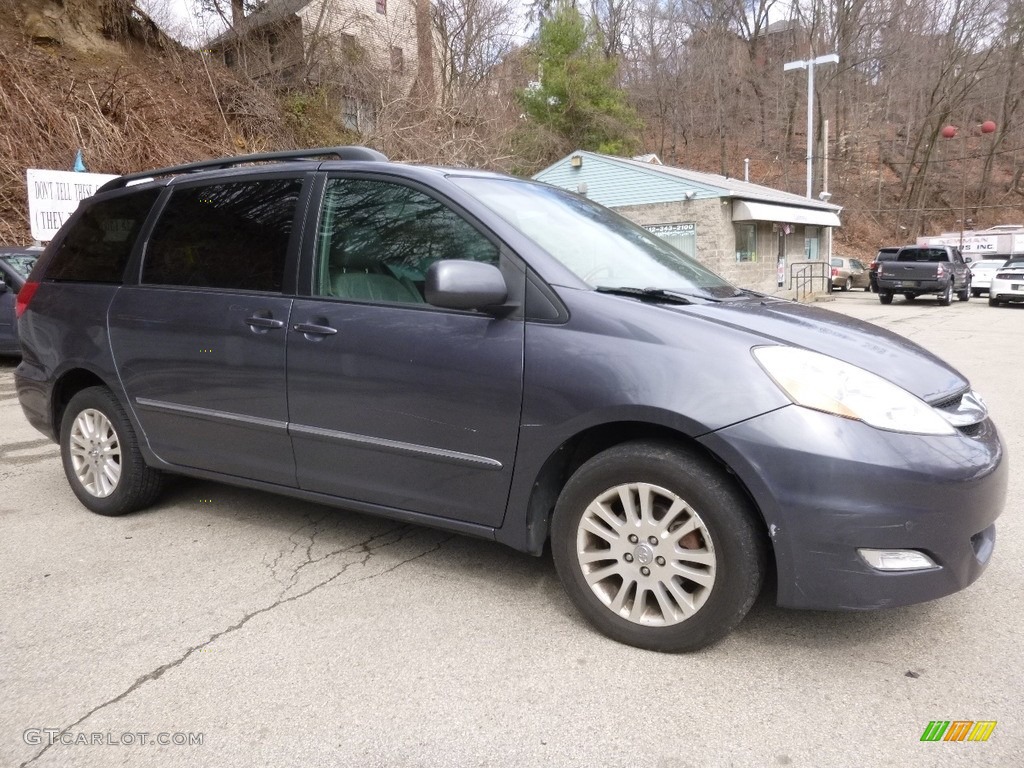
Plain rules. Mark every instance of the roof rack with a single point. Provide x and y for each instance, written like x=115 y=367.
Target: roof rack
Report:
x=339 y=153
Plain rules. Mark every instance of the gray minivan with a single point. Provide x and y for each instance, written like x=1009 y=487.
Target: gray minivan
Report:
x=503 y=359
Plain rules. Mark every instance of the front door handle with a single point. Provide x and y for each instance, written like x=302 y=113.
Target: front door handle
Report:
x=316 y=330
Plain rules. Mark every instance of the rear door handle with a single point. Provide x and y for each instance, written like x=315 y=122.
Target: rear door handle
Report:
x=257 y=322
x=317 y=330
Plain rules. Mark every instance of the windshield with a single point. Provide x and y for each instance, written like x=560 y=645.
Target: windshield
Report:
x=22 y=264
x=602 y=248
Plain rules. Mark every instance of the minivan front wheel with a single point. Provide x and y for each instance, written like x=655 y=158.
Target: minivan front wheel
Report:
x=101 y=455
x=657 y=548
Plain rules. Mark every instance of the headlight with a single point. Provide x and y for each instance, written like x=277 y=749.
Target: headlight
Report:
x=825 y=384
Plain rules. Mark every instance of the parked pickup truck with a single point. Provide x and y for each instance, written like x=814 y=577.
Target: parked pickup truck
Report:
x=938 y=269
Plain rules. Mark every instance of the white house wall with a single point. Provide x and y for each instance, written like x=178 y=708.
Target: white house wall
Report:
x=376 y=33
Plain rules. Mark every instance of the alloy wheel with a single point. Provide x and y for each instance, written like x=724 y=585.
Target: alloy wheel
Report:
x=646 y=554
x=95 y=453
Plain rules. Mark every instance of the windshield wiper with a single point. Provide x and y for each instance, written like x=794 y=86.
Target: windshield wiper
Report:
x=653 y=294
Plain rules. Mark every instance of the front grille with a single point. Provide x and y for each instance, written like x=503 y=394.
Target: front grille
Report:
x=965 y=411
x=949 y=402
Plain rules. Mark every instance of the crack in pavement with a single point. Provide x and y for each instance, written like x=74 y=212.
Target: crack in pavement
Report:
x=369 y=547
x=286 y=552
x=402 y=531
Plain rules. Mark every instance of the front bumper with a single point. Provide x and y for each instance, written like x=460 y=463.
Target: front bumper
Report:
x=828 y=486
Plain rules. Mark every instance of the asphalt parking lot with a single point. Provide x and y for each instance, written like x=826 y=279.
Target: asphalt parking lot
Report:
x=242 y=629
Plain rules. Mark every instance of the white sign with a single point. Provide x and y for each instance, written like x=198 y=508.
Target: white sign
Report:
x=54 y=195
x=973 y=245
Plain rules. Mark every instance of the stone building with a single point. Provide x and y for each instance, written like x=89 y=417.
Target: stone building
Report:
x=358 y=47
x=754 y=236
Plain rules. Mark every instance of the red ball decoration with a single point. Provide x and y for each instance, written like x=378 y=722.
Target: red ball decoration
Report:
x=949 y=132
x=988 y=126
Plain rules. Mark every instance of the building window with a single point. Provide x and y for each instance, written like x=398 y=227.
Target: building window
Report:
x=350 y=113
x=367 y=118
x=811 y=252
x=682 y=237
x=746 y=242
x=349 y=48
x=382 y=6
x=274 y=46
x=397 y=59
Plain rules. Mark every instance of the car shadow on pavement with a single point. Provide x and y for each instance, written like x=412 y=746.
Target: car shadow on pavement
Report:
x=495 y=568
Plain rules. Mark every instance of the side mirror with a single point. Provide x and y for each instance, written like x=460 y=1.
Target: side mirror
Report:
x=458 y=284
x=967 y=259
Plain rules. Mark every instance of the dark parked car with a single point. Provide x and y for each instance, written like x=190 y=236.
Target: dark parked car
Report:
x=15 y=265
x=884 y=254
x=918 y=270
x=504 y=359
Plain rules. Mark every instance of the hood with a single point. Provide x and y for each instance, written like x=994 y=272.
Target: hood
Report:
x=867 y=346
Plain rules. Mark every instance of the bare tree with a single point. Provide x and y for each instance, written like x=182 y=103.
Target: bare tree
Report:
x=474 y=37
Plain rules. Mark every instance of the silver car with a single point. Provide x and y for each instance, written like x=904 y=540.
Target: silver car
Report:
x=981 y=274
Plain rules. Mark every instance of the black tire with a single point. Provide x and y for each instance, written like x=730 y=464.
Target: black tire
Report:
x=993 y=301
x=867 y=289
x=975 y=292
x=885 y=297
x=946 y=297
x=910 y=296
x=718 y=511
x=847 y=285
x=965 y=294
x=136 y=485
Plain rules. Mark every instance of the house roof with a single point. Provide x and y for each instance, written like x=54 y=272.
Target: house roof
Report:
x=270 y=13
x=617 y=182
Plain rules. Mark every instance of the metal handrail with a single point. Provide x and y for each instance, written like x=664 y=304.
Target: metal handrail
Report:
x=805 y=276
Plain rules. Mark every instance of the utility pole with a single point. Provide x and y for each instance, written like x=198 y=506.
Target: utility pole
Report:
x=828 y=58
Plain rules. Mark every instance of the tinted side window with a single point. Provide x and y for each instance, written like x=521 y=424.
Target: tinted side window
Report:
x=377 y=240
x=98 y=246
x=224 y=236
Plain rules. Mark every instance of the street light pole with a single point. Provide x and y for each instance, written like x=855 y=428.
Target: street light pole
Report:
x=828 y=58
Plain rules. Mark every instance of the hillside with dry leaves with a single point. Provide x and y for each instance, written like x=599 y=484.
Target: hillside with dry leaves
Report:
x=100 y=78
x=98 y=75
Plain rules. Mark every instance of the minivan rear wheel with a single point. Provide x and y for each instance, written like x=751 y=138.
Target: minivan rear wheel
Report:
x=101 y=456
x=657 y=548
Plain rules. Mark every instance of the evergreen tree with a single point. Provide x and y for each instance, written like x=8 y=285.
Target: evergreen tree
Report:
x=576 y=97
